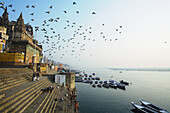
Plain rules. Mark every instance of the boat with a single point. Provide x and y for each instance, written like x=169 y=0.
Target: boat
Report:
x=93 y=78
x=90 y=75
x=105 y=81
x=86 y=81
x=143 y=108
x=93 y=85
x=78 y=79
x=112 y=81
x=100 y=82
x=106 y=85
x=153 y=107
x=91 y=82
x=121 y=86
x=123 y=82
x=113 y=85
x=96 y=82
x=97 y=78
x=93 y=74
x=99 y=85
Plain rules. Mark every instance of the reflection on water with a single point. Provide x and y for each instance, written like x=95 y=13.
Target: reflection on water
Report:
x=148 y=85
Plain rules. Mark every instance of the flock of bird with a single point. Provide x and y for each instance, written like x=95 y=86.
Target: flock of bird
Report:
x=57 y=42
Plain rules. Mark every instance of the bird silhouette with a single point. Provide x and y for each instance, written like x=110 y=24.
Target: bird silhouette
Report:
x=51 y=7
x=77 y=12
x=2 y=3
x=27 y=6
x=93 y=13
x=33 y=6
x=9 y=5
x=74 y=3
x=48 y=12
x=32 y=14
x=13 y=10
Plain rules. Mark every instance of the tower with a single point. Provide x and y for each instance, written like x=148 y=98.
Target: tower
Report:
x=20 y=28
x=4 y=20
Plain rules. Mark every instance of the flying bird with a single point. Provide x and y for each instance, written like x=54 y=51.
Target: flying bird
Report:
x=9 y=5
x=33 y=6
x=48 y=12
x=13 y=10
x=93 y=13
x=27 y=6
x=32 y=14
x=2 y=3
x=77 y=12
x=51 y=7
x=74 y=3
x=65 y=11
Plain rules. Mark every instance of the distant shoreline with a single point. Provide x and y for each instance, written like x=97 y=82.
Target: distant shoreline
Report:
x=141 y=69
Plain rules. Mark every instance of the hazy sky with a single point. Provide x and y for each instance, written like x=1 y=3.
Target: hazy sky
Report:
x=144 y=40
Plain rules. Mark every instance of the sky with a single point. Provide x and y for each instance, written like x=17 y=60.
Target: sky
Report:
x=144 y=41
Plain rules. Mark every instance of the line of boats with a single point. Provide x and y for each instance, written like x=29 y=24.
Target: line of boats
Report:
x=148 y=107
x=106 y=84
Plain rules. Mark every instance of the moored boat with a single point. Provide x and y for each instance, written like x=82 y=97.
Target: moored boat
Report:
x=78 y=79
x=105 y=81
x=99 y=85
x=153 y=107
x=96 y=82
x=123 y=82
x=121 y=86
x=106 y=85
x=100 y=82
x=86 y=81
x=113 y=85
x=91 y=82
x=143 y=108
x=97 y=78
x=93 y=85
x=93 y=78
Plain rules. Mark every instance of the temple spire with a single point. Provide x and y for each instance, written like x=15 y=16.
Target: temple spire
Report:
x=4 y=21
x=20 y=23
x=5 y=14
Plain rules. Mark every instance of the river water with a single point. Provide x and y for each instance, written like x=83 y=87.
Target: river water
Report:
x=152 y=86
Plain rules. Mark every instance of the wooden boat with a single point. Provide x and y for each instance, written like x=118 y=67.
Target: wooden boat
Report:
x=93 y=85
x=93 y=78
x=97 y=78
x=119 y=85
x=153 y=107
x=105 y=81
x=123 y=82
x=91 y=82
x=86 y=81
x=100 y=82
x=113 y=85
x=99 y=85
x=78 y=79
x=106 y=85
x=96 y=82
x=143 y=108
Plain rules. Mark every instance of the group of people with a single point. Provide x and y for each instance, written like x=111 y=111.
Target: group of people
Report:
x=36 y=76
x=73 y=98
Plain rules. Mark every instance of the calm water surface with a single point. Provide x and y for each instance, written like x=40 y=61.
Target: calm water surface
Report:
x=153 y=86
